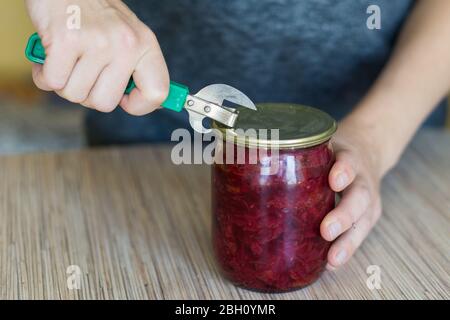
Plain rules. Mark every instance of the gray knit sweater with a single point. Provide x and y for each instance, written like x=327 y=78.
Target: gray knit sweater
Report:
x=313 y=52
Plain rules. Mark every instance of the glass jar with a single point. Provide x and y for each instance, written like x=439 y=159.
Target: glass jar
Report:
x=267 y=213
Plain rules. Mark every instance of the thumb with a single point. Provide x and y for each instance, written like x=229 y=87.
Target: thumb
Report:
x=152 y=81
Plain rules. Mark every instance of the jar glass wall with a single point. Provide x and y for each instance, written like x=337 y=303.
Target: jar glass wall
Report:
x=266 y=225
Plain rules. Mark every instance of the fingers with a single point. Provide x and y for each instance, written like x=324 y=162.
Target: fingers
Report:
x=345 y=246
x=109 y=88
x=82 y=79
x=343 y=171
x=36 y=71
x=137 y=104
x=354 y=203
x=93 y=68
x=152 y=81
x=59 y=63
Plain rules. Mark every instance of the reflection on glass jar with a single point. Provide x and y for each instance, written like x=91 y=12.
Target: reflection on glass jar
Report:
x=266 y=222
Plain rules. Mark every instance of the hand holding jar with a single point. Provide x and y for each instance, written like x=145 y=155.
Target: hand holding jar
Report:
x=274 y=214
x=355 y=174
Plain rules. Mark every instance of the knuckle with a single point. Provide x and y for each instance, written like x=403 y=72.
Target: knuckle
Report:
x=74 y=97
x=100 y=42
x=53 y=81
x=350 y=217
x=105 y=108
x=97 y=40
x=127 y=37
x=148 y=36
x=103 y=105
x=39 y=84
x=347 y=220
x=68 y=39
x=60 y=41
x=364 y=196
x=358 y=203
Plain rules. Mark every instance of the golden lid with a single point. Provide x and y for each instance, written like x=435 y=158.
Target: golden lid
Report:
x=298 y=126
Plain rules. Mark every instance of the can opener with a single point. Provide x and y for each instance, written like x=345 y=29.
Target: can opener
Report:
x=207 y=103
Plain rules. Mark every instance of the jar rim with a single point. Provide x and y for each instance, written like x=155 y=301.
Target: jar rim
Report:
x=323 y=128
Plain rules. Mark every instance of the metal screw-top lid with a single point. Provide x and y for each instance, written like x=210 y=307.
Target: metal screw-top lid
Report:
x=298 y=126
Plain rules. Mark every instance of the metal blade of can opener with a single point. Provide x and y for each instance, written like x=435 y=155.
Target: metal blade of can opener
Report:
x=208 y=103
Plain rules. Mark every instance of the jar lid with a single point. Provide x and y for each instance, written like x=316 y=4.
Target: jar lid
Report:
x=298 y=126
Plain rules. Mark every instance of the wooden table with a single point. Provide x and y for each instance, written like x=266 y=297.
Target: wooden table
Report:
x=137 y=227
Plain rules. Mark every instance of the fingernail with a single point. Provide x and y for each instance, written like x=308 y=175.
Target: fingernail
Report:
x=340 y=257
x=334 y=229
x=341 y=180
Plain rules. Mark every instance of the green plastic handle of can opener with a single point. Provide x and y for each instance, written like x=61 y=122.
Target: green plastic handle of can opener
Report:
x=178 y=93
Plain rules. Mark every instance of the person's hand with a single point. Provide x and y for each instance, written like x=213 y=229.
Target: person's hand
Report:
x=93 y=64
x=356 y=175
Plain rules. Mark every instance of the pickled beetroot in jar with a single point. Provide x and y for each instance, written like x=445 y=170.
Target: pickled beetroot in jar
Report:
x=267 y=211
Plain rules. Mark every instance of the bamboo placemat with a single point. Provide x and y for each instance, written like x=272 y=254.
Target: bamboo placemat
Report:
x=138 y=227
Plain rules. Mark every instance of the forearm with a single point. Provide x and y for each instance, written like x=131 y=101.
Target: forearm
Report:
x=415 y=79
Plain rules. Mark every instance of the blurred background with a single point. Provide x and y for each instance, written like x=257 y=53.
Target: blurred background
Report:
x=31 y=120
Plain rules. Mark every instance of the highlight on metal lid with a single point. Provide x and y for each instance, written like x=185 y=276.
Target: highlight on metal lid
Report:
x=298 y=126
